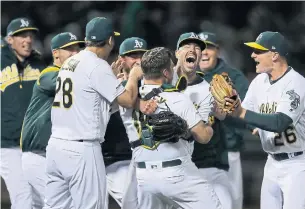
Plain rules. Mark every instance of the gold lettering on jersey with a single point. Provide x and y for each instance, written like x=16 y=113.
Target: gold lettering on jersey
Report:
x=211 y=120
x=10 y=75
x=268 y=108
x=70 y=65
x=197 y=106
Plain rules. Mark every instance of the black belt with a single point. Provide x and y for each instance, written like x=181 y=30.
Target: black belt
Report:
x=165 y=164
x=285 y=156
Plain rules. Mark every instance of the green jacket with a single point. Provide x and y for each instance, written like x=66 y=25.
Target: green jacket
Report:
x=214 y=153
x=36 y=129
x=17 y=80
x=233 y=136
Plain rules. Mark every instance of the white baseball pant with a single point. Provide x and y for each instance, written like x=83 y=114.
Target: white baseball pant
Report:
x=11 y=171
x=182 y=185
x=236 y=179
x=75 y=169
x=134 y=198
x=221 y=184
x=283 y=185
x=116 y=175
x=34 y=168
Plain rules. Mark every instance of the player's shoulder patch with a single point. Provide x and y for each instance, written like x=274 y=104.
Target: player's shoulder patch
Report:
x=47 y=70
x=295 y=99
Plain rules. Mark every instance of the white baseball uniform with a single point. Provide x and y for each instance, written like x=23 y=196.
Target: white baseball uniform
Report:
x=133 y=197
x=181 y=184
x=201 y=97
x=86 y=88
x=17 y=185
x=284 y=179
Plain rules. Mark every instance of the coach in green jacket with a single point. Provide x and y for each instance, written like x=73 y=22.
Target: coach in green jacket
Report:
x=20 y=68
x=210 y=65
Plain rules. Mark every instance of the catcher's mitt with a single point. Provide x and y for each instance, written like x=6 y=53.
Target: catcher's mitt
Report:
x=167 y=126
x=221 y=87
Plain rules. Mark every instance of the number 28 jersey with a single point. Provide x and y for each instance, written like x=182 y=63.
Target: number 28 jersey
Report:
x=85 y=90
x=287 y=96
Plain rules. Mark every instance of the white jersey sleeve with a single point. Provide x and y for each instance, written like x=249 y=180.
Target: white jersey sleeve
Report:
x=249 y=100
x=201 y=98
x=189 y=113
x=109 y=87
x=126 y=115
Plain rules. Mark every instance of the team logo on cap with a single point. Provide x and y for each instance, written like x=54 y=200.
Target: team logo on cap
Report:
x=193 y=35
x=72 y=37
x=204 y=36
x=259 y=37
x=24 y=23
x=138 y=44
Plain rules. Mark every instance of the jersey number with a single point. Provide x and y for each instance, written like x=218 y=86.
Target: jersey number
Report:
x=66 y=86
x=288 y=135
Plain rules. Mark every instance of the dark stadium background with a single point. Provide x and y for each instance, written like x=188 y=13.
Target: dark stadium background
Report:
x=161 y=23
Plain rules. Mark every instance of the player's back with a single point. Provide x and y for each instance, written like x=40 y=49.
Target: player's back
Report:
x=180 y=105
x=79 y=111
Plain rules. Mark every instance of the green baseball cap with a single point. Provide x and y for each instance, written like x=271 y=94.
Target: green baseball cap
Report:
x=133 y=44
x=19 y=25
x=63 y=40
x=209 y=38
x=270 y=41
x=190 y=37
x=99 y=29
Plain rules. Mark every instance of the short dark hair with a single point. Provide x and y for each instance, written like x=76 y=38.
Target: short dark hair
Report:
x=154 y=61
x=95 y=43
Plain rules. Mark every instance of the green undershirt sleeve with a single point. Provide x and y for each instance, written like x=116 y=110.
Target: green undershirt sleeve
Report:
x=277 y=122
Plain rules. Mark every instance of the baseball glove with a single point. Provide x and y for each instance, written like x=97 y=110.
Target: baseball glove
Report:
x=221 y=87
x=167 y=126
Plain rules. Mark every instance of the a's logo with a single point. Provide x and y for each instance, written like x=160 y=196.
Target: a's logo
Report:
x=295 y=100
x=93 y=37
x=197 y=106
x=138 y=44
x=204 y=36
x=193 y=35
x=72 y=36
x=259 y=37
x=24 y=23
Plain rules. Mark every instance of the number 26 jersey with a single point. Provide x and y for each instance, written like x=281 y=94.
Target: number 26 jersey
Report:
x=286 y=95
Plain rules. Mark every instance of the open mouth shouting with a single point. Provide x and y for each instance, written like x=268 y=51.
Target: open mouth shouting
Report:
x=190 y=60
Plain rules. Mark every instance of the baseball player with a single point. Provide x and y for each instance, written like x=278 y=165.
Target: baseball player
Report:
x=36 y=129
x=211 y=64
x=210 y=158
x=274 y=104
x=165 y=170
x=86 y=92
x=131 y=52
x=116 y=148
x=20 y=68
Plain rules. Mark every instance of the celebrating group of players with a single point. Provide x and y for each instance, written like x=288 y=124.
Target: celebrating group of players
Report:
x=76 y=131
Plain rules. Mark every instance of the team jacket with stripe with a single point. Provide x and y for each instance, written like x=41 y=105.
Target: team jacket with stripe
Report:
x=36 y=129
